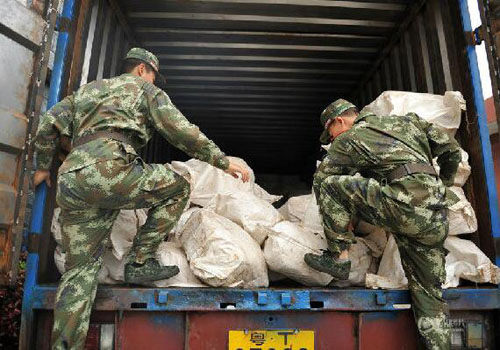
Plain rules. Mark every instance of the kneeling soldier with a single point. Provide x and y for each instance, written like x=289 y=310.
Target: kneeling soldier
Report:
x=379 y=169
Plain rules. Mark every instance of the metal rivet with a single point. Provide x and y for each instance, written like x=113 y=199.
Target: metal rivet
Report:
x=381 y=299
x=261 y=298
x=286 y=299
x=162 y=297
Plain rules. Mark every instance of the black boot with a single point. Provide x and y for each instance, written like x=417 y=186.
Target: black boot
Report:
x=327 y=263
x=150 y=271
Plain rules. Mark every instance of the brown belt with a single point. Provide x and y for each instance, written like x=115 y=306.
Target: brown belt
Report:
x=409 y=169
x=103 y=135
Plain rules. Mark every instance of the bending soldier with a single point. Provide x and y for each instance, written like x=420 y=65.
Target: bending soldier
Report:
x=108 y=121
x=379 y=169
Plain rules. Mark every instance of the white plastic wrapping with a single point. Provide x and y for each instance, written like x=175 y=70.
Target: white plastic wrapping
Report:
x=221 y=253
x=284 y=250
x=253 y=214
x=312 y=218
x=207 y=181
x=124 y=230
x=170 y=253
x=390 y=273
x=461 y=216
x=294 y=209
x=465 y=260
x=443 y=111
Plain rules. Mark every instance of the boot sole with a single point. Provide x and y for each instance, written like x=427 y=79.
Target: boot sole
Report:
x=158 y=277
x=328 y=272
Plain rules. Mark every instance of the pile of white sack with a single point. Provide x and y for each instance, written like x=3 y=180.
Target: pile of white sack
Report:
x=230 y=235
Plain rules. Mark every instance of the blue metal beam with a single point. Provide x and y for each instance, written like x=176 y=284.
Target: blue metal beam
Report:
x=37 y=216
x=477 y=90
x=216 y=299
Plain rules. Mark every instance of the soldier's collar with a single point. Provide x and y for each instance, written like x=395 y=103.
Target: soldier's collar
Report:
x=362 y=116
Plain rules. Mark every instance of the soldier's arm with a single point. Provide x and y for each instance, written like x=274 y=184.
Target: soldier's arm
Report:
x=445 y=148
x=333 y=164
x=187 y=137
x=55 y=123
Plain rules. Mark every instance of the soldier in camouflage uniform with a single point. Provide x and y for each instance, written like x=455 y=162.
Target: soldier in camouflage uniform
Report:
x=107 y=121
x=378 y=169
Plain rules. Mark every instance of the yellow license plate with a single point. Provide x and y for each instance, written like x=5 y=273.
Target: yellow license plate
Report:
x=284 y=339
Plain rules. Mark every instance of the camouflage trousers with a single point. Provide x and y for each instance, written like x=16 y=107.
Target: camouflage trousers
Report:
x=90 y=199
x=419 y=234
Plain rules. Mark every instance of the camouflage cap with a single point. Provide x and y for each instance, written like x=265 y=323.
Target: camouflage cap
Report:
x=333 y=110
x=147 y=57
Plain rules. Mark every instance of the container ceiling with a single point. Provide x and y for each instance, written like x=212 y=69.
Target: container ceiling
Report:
x=255 y=75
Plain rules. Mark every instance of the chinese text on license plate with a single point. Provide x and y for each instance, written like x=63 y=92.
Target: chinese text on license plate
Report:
x=285 y=339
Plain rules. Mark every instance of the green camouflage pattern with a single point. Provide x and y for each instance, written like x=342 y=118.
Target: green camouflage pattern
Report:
x=127 y=104
x=145 y=56
x=90 y=199
x=350 y=182
x=333 y=110
x=100 y=177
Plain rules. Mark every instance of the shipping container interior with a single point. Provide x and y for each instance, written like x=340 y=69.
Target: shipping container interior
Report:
x=255 y=75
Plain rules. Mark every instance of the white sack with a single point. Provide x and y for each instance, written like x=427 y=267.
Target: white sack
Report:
x=312 y=219
x=463 y=171
x=253 y=214
x=115 y=267
x=294 y=209
x=390 y=273
x=181 y=223
x=170 y=253
x=207 y=181
x=124 y=230
x=443 y=111
x=221 y=253
x=461 y=216
x=465 y=260
x=284 y=250
x=275 y=276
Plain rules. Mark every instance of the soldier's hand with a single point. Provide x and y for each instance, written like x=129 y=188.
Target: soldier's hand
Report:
x=41 y=176
x=234 y=169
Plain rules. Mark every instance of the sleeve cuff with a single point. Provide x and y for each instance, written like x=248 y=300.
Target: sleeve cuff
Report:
x=221 y=162
x=42 y=163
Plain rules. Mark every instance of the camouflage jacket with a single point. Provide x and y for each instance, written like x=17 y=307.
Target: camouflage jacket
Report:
x=127 y=104
x=377 y=145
